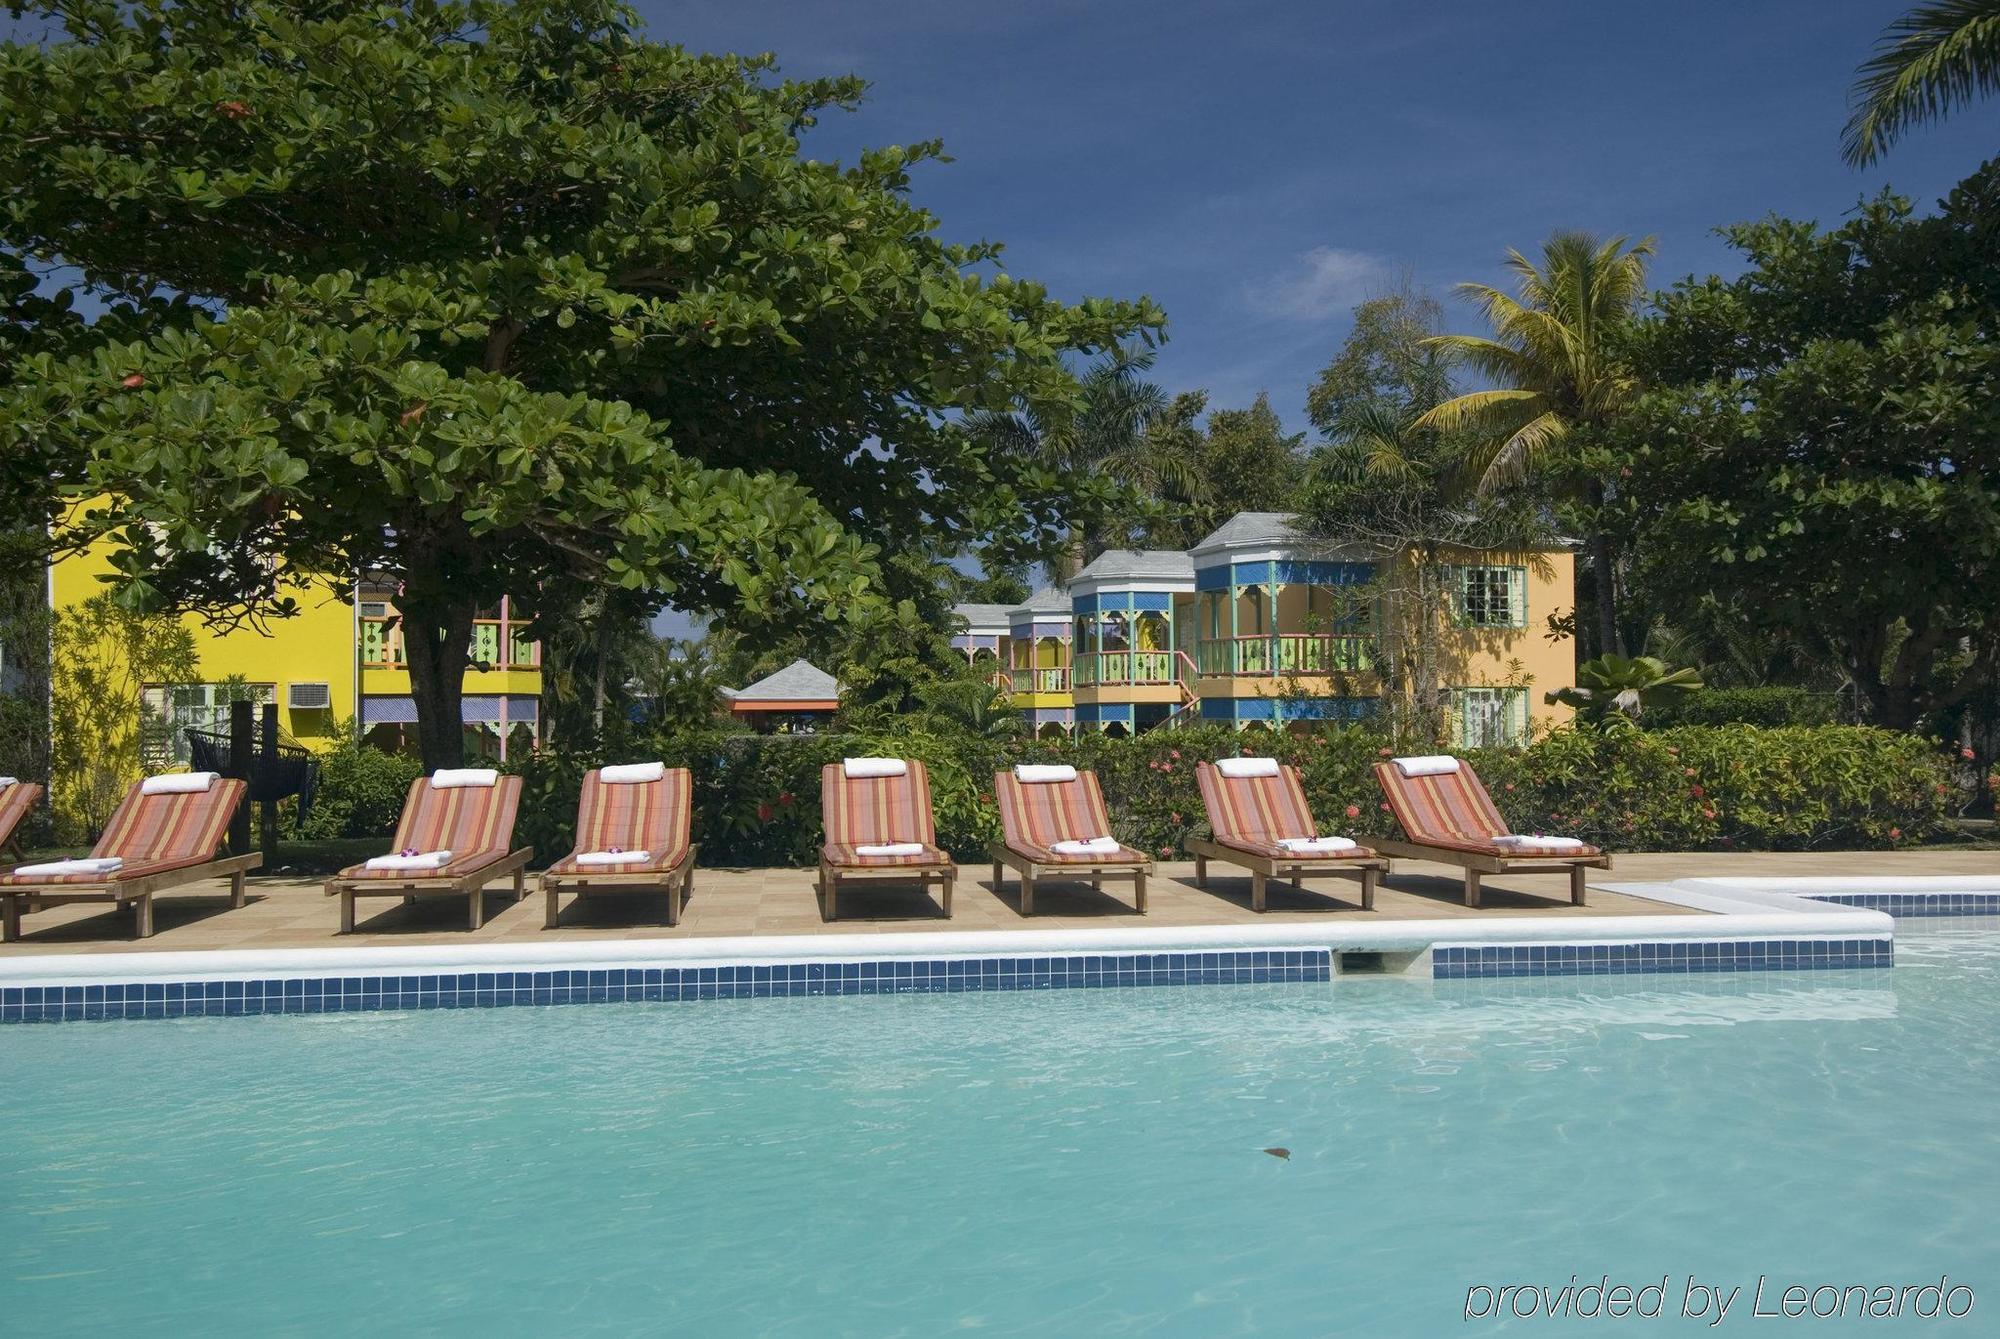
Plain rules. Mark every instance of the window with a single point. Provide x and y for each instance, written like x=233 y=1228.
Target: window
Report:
x=173 y=709
x=1493 y=597
x=1490 y=718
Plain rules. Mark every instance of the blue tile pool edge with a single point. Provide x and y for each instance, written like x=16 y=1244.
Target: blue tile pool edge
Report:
x=1452 y=962
x=1916 y=904
x=349 y=994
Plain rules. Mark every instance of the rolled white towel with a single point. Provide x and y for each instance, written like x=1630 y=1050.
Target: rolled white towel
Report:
x=1316 y=845
x=891 y=848
x=451 y=778
x=632 y=773
x=178 y=783
x=613 y=857
x=1242 y=767
x=1523 y=842
x=1429 y=764
x=866 y=767
x=6 y=781
x=1094 y=846
x=412 y=860
x=1042 y=773
x=99 y=864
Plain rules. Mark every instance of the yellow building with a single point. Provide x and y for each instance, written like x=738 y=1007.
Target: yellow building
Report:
x=338 y=665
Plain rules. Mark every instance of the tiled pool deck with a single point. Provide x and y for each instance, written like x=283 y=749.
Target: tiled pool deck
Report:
x=293 y=913
x=287 y=913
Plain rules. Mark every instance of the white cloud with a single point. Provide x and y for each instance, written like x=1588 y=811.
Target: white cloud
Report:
x=1327 y=281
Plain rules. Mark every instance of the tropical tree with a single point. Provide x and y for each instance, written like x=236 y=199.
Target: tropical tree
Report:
x=1559 y=382
x=1818 y=457
x=1615 y=688
x=1121 y=432
x=499 y=299
x=1934 y=59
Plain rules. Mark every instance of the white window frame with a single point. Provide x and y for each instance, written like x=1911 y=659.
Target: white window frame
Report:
x=1510 y=584
x=179 y=706
x=1489 y=717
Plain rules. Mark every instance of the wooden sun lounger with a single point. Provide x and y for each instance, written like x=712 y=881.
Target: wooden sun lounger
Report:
x=1294 y=870
x=1035 y=815
x=1242 y=808
x=137 y=892
x=470 y=885
x=675 y=882
x=628 y=816
x=474 y=819
x=1449 y=818
x=867 y=811
x=167 y=841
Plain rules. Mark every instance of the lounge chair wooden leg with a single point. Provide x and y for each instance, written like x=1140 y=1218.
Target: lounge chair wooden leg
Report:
x=948 y=880
x=12 y=928
x=347 y=911
x=1028 y=893
x=1472 y=888
x=1368 y=889
x=1139 y=890
x=1256 y=892
x=142 y=916
x=996 y=876
x=1201 y=871
x=829 y=887
x=1577 y=884
x=409 y=899
x=236 y=889
x=551 y=915
x=520 y=883
x=475 y=903
x=1096 y=883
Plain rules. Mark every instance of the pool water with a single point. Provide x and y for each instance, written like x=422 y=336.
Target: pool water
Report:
x=1067 y=1162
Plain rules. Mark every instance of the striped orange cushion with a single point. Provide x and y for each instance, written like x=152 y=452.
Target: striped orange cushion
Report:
x=156 y=833
x=474 y=823
x=1451 y=809
x=876 y=811
x=1034 y=816
x=16 y=803
x=650 y=816
x=844 y=853
x=1261 y=809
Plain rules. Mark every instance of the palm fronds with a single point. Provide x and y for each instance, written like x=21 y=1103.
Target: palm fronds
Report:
x=1935 y=58
x=1549 y=353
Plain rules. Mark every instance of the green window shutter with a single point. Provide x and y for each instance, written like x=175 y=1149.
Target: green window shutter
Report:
x=1517 y=596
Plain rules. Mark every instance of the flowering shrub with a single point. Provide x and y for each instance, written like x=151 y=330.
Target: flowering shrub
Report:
x=756 y=797
x=1736 y=787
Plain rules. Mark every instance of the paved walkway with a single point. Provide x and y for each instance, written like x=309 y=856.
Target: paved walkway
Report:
x=289 y=913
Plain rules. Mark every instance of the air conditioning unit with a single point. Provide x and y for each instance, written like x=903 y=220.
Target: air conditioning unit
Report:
x=309 y=696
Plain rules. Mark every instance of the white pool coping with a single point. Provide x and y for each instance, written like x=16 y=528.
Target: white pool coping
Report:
x=1735 y=912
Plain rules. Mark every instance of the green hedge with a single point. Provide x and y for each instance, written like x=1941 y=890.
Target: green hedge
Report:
x=361 y=791
x=1771 y=706
x=1697 y=788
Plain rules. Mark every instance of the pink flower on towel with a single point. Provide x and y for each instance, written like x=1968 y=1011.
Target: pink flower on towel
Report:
x=408 y=851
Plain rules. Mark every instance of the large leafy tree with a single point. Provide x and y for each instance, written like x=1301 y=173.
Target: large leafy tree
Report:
x=501 y=298
x=1821 y=455
x=1123 y=441
x=1937 y=57
x=1558 y=383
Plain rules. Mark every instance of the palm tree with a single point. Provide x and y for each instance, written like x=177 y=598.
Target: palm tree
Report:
x=1557 y=378
x=1118 y=429
x=1935 y=58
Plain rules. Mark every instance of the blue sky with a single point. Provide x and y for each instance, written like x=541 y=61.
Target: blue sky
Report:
x=1258 y=168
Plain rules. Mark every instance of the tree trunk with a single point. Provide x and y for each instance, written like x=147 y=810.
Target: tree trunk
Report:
x=1605 y=580
x=437 y=640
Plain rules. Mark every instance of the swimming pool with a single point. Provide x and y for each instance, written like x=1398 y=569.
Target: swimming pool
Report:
x=1051 y=1162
